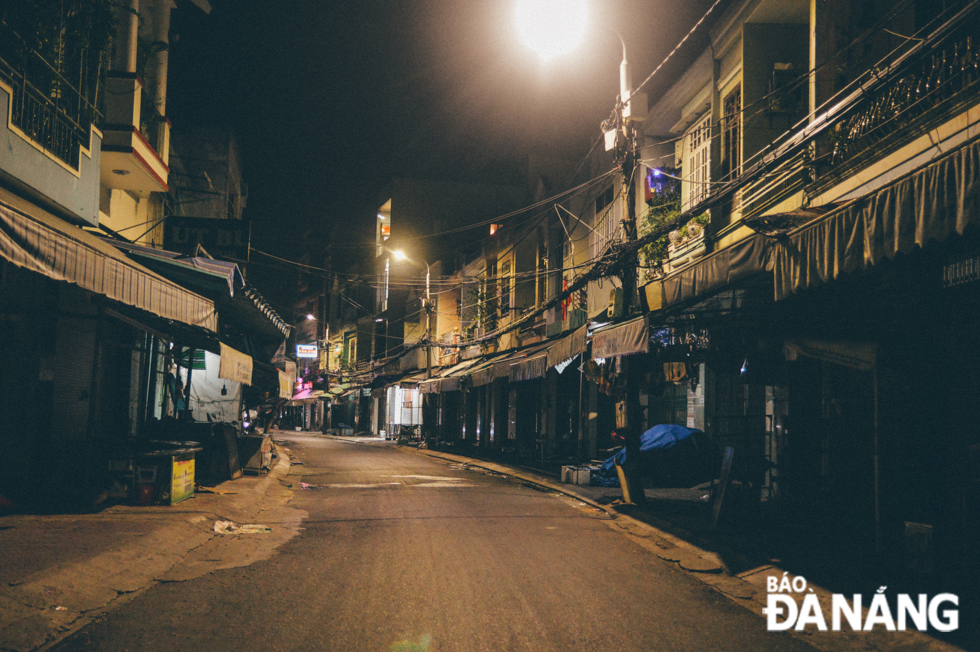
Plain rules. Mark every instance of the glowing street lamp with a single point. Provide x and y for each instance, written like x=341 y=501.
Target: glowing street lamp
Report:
x=552 y=27
x=400 y=255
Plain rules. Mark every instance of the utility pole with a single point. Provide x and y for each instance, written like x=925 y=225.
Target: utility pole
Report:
x=630 y=368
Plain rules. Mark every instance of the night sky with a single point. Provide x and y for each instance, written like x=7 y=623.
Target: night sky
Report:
x=330 y=99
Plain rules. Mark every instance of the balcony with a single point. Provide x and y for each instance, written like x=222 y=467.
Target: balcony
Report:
x=922 y=108
x=136 y=141
x=49 y=146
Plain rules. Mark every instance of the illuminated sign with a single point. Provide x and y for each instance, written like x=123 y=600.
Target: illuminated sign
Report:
x=306 y=351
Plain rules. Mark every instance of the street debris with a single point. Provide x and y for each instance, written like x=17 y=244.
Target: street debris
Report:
x=229 y=527
x=61 y=608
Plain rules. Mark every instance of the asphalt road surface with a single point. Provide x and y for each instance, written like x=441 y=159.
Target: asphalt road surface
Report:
x=401 y=552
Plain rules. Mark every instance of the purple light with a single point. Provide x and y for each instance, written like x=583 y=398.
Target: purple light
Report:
x=656 y=172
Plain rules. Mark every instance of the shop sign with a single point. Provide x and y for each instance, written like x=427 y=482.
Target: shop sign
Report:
x=285 y=385
x=235 y=366
x=220 y=237
x=307 y=351
x=182 y=480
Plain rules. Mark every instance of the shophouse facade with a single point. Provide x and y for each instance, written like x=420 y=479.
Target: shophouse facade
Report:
x=99 y=333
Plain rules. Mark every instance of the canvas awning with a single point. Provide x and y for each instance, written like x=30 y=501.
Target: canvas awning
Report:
x=932 y=203
x=449 y=379
x=40 y=242
x=412 y=380
x=567 y=347
x=482 y=374
x=712 y=273
x=529 y=369
x=623 y=339
x=219 y=280
x=525 y=364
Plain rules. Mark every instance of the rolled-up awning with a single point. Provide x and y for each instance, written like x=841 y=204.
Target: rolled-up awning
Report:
x=623 y=339
x=42 y=243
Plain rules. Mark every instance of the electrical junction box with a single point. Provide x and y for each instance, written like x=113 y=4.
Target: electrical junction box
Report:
x=636 y=108
x=610 y=139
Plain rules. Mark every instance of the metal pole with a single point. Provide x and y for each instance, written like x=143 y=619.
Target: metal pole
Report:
x=428 y=325
x=631 y=369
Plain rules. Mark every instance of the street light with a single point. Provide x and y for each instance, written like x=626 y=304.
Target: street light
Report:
x=400 y=255
x=543 y=24
x=552 y=27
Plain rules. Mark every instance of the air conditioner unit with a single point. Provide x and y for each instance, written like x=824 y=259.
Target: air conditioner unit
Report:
x=615 y=308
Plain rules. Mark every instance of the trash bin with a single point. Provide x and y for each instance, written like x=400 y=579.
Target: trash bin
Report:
x=165 y=474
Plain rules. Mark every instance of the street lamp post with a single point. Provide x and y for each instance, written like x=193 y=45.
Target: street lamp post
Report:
x=400 y=255
x=541 y=30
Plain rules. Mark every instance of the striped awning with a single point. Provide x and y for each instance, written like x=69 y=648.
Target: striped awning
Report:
x=567 y=347
x=42 y=243
x=529 y=369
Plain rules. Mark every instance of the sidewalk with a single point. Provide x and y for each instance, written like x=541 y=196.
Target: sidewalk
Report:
x=60 y=571
x=710 y=560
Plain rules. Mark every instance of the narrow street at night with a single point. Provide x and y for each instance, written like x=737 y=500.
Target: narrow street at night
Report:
x=449 y=325
x=403 y=552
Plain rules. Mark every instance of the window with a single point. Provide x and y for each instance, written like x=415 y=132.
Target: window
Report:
x=606 y=224
x=604 y=199
x=731 y=133
x=697 y=163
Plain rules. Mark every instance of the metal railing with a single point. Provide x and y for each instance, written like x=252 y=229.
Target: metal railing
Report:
x=45 y=105
x=927 y=93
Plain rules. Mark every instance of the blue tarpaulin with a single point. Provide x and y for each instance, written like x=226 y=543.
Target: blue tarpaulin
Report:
x=655 y=444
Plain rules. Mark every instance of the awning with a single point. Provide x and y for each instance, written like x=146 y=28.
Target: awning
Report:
x=931 y=203
x=411 y=381
x=567 y=347
x=712 y=273
x=623 y=339
x=219 y=280
x=449 y=379
x=482 y=374
x=522 y=364
x=529 y=369
x=42 y=243
x=856 y=355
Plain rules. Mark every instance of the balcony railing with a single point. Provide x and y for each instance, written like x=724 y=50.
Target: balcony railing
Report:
x=928 y=93
x=45 y=106
x=925 y=94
